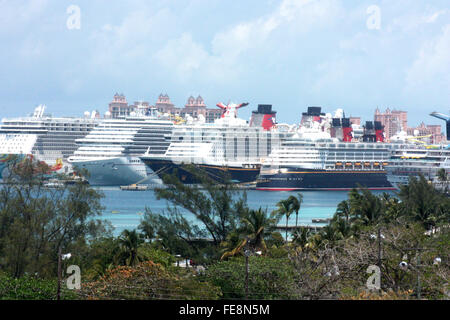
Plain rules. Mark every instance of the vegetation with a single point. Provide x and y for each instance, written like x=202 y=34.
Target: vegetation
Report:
x=210 y=227
x=269 y=278
x=148 y=280
x=35 y=222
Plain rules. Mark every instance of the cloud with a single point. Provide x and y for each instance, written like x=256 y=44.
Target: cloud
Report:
x=233 y=49
x=193 y=55
x=417 y=20
x=432 y=65
x=433 y=17
x=18 y=14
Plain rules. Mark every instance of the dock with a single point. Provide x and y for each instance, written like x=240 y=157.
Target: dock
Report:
x=134 y=187
x=321 y=220
x=293 y=228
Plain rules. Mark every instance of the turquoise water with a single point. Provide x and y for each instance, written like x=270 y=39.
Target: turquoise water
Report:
x=124 y=209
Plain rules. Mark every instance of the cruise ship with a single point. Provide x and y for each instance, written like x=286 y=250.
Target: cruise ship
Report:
x=229 y=148
x=423 y=159
x=48 y=139
x=323 y=156
x=416 y=160
x=110 y=153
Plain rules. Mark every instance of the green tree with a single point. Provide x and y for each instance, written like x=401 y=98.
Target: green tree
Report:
x=175 y=234
x=284 y=208
x=216 y=207
x=443 y=178
x=366 y=207
x=30 y=288
x=442 y=175
x=148 y=281
x=269 y=278
x=423 y=203
x=129 y=243
x=255 y=228
x=36 y=221
x=296 y=203
x=257 y=225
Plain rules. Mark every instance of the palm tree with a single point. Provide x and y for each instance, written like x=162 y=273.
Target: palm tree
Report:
x=295 y=205
x=442 y=175
x=233 y=245
x=129 y=242
x=302 y=237
x=284 y=209
x=255 y=226
x=365 y=206
x=443 y=178
x=343 y=210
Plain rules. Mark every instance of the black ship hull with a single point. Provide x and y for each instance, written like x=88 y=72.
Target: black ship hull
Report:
x=301 y=179
x=217 y=173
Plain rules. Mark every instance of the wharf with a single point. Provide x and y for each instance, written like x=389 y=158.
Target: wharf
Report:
x=293 y=228
x=134 y=187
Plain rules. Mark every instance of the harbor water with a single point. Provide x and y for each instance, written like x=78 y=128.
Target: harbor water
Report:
x=125 y=209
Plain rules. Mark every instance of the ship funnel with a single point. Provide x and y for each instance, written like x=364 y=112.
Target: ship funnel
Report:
x=347 y=130
x=369 y=132
x=263 y=117
x=312 y=115
x=230 y=110
x=379 y=131
x=336 y=128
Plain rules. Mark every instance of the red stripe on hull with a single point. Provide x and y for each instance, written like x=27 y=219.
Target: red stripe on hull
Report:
x=318 y=189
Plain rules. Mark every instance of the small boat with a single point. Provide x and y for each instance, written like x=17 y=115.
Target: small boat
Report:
x=54 y=184
x=114 y=211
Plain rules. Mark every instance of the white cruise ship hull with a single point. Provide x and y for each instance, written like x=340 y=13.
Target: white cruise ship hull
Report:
x=118 y=171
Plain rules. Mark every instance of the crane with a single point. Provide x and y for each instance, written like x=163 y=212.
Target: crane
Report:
x=444 y=117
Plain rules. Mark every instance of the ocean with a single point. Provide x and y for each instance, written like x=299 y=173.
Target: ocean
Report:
x=124 y=209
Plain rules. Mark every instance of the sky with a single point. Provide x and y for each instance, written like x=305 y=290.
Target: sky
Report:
x=73 y=56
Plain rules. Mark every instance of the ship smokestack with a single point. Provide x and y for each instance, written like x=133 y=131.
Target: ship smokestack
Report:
x=263 y=117
x=347 y=130
x=369 y=132
x=379 y=131
x=336 y=129
x=313 y=114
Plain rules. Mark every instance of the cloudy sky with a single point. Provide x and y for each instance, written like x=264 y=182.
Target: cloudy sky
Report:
x=356 y=55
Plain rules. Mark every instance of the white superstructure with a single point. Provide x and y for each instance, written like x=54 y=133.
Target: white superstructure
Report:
x=110 y=153
x=46 y=138
x=414 y=160
x=228 y=142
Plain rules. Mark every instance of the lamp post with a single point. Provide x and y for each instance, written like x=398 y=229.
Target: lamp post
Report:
x=58 y=291
x=60 y=258
x=247 y=254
